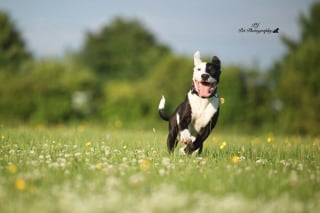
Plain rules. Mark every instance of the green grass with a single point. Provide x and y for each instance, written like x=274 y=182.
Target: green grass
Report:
x=87 y=169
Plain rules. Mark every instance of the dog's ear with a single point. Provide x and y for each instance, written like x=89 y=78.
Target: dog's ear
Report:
x=216 y=62
x=196 y=58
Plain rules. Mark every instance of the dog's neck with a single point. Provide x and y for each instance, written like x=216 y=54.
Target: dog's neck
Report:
x=195 y=90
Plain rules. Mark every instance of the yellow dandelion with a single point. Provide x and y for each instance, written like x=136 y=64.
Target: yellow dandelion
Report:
x=88 y=144
x=221 y=100
x=20 y=184
x=144 y=165
x=235 y=159
x=99 y=166
x=269 y=139
x=215 y=139
x=2 y=137
x=223 y=144
x=12 y=169
x=124 y=147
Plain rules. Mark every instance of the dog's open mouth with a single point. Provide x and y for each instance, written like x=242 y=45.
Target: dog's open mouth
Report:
x=205 y=89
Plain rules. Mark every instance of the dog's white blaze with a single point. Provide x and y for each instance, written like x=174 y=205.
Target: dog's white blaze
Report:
x=162 y=103
x=202 y=110
x=199 y=67
x=198 y=70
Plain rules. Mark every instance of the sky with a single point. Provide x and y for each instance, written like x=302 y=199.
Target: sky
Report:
x=237 y=31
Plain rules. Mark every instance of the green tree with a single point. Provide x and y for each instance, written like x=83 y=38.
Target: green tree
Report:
x=298 y=85
x=170 y=77
x=122 y=50
x=12 y=47
x=46 y=92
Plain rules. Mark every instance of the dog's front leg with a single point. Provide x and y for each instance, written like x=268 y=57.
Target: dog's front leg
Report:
x=185 y=135
x=202 y=136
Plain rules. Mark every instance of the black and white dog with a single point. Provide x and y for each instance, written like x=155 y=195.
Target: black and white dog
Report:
x=194 y=119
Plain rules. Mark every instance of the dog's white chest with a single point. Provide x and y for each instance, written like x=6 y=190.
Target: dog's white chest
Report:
x=202 y=110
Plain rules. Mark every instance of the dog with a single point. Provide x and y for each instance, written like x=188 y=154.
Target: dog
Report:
x=193 y=120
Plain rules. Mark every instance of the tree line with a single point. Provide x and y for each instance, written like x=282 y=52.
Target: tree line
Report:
x=122 y=70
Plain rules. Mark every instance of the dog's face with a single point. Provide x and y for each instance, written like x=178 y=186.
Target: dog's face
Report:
x=206 y=75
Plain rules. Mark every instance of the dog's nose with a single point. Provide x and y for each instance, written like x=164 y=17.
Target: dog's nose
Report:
x=205 y=76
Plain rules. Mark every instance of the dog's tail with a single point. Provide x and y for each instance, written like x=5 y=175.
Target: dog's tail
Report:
x=162 y=113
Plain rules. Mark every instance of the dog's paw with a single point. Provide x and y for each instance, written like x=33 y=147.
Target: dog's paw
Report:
x=182 y=151
x=186 y=137
x=185 y=151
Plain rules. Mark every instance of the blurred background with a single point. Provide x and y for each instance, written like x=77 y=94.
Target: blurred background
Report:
x=109 y=62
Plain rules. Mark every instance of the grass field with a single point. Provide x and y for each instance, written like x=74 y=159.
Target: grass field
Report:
x=86 y=169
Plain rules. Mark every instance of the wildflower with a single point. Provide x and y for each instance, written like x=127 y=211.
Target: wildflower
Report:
x=124 y=147
x=12 y=169
x=107 y=151
x=77 y=154
x=242 y=158
x=235 y=159
x=261 y=161
x=2 y=137
x=54 y=165
x=136 y=179
x=214 y=139
x=20 y=184
x=162 y=172
x=221 y=100
x=165 y=161
x=99 y=166
x=223 y=145
x=88 y=144
x=269 y=139
x=144 y=165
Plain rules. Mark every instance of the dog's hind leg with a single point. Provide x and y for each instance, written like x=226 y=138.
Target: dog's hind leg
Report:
x=172 y=139
x=171 y=143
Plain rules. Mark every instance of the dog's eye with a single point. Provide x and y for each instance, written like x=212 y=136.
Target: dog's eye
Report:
x=199 y=69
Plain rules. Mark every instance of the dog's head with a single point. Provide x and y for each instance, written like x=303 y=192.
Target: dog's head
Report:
x=206 y=75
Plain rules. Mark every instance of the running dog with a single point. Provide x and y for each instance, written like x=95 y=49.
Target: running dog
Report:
x=197 y=115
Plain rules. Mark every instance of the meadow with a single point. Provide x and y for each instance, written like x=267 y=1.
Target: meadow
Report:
x=95 y=169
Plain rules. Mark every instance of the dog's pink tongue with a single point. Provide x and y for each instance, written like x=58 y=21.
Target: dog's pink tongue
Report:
x=205 y=90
